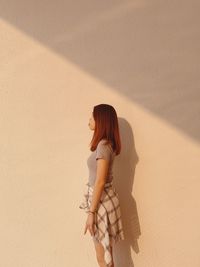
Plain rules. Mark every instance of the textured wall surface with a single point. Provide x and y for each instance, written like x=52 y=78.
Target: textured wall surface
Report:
x=58 y=59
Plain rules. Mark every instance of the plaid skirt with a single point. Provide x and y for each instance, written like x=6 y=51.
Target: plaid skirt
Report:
x=107 y=221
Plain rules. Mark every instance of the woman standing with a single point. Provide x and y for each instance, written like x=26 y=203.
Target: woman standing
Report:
x=101 y=200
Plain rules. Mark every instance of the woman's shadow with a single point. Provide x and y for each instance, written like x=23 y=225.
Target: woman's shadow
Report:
x=124 y=171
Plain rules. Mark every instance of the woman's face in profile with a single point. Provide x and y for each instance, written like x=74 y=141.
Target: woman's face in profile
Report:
x=91 y=123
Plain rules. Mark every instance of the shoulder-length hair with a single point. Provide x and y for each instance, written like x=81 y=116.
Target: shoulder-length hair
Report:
x=106 y=127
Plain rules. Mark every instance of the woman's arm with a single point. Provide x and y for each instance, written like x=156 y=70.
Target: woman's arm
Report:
x=102 y=170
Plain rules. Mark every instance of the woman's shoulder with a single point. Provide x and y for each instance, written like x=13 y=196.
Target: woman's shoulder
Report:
x=104 y=143
x=104 y=150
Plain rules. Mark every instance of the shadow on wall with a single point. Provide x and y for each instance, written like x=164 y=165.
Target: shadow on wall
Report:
x=146 y=50
x=124 y=171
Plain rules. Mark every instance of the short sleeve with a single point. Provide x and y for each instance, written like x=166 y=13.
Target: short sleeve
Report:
x=103 y=151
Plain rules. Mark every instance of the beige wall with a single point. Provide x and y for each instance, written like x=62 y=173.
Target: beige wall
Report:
x=57 y=61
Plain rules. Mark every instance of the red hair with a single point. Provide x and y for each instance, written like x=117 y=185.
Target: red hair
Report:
x=106 y=127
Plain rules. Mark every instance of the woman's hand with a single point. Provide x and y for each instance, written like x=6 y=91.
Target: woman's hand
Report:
x=89 y=224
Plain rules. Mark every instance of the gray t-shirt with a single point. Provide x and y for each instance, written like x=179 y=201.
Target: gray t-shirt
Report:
x=102 y=151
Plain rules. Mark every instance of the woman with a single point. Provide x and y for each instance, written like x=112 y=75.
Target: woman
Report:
x=101 y=200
